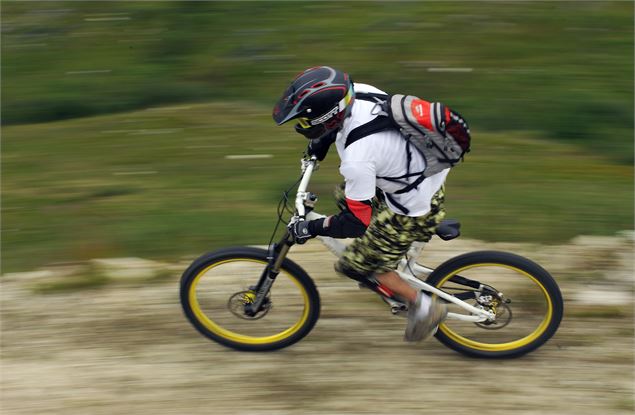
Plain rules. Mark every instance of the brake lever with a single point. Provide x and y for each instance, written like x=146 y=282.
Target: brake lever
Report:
x=306 y=162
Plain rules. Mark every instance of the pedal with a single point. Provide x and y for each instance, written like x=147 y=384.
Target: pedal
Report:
x=398 y=309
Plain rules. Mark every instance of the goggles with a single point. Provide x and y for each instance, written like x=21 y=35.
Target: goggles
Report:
x=313 y=132
x=304 y=123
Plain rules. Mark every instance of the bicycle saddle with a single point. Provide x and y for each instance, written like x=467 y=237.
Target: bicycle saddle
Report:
x=449 y=229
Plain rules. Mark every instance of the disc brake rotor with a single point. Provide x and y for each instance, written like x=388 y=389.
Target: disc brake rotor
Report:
x=503 y=313
x=238 y=303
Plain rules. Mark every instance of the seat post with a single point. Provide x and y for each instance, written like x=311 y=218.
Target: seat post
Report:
x=414 y=252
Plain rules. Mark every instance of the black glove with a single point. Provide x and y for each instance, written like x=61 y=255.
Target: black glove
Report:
x=320 y=147
x=300 y=231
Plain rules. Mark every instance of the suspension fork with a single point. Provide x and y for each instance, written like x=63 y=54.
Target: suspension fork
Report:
x=277 y=254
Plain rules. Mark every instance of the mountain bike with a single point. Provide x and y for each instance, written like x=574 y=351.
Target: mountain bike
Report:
x=501 y=305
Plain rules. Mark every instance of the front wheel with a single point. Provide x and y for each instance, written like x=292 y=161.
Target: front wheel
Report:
x=216 y=291
x=523 y=296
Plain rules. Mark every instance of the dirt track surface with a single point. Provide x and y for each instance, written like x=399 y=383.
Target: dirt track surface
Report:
x=127 y=349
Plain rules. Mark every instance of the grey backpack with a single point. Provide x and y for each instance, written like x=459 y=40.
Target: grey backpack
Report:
x=424 y=125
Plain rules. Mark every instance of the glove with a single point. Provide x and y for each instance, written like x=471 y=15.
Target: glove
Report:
x=300 y=231
x=320 y=147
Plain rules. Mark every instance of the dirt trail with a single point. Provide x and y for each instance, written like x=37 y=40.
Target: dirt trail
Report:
x=126 y=349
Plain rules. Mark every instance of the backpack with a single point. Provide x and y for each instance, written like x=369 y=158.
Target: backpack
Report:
x=424 y=125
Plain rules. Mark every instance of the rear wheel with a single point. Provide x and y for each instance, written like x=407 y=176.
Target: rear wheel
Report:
x=218 y=288
x=528 y=312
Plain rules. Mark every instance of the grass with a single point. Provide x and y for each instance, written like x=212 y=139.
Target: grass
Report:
x=563 y=68
x=515 y=187
x=156 y=184
x=547 y=88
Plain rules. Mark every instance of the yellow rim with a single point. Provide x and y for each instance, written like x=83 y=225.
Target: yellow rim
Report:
x=500 y=347
x=237 y=337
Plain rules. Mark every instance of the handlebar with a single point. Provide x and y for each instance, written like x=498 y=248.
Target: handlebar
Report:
x=308 y=166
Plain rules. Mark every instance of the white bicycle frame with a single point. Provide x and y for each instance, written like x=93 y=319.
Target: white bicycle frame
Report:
x=408 y=269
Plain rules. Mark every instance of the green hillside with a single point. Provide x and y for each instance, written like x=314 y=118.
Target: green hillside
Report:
x=158 y=183
x=564 y=68
x=118 y=116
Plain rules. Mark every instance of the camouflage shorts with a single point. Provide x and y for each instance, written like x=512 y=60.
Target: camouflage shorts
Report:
x=387 y=238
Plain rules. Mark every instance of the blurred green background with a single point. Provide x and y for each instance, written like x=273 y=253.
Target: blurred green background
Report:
x=118 y=117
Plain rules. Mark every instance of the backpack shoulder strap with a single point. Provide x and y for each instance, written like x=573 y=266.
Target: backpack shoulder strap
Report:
x=380 y=123
x=371 y=96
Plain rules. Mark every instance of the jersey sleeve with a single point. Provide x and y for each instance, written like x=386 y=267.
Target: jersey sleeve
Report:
x=360 y=178
x=359 y=174
x=355 y=218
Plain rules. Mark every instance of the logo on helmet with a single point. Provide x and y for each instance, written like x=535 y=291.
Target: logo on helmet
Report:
x=325 y=117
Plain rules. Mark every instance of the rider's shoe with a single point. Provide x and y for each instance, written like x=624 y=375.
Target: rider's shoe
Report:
x=423 y=319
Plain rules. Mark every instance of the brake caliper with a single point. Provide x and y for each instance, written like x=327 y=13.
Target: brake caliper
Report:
x=494 y=302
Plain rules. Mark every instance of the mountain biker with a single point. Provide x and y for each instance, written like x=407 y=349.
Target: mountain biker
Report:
x=323 y=102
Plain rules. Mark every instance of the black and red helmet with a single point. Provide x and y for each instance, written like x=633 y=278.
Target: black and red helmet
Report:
x=319 y=98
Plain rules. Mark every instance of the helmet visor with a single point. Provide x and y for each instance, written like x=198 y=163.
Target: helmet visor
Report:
x=286 y=108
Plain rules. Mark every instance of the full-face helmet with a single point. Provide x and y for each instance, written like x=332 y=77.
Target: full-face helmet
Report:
x=319 y=98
